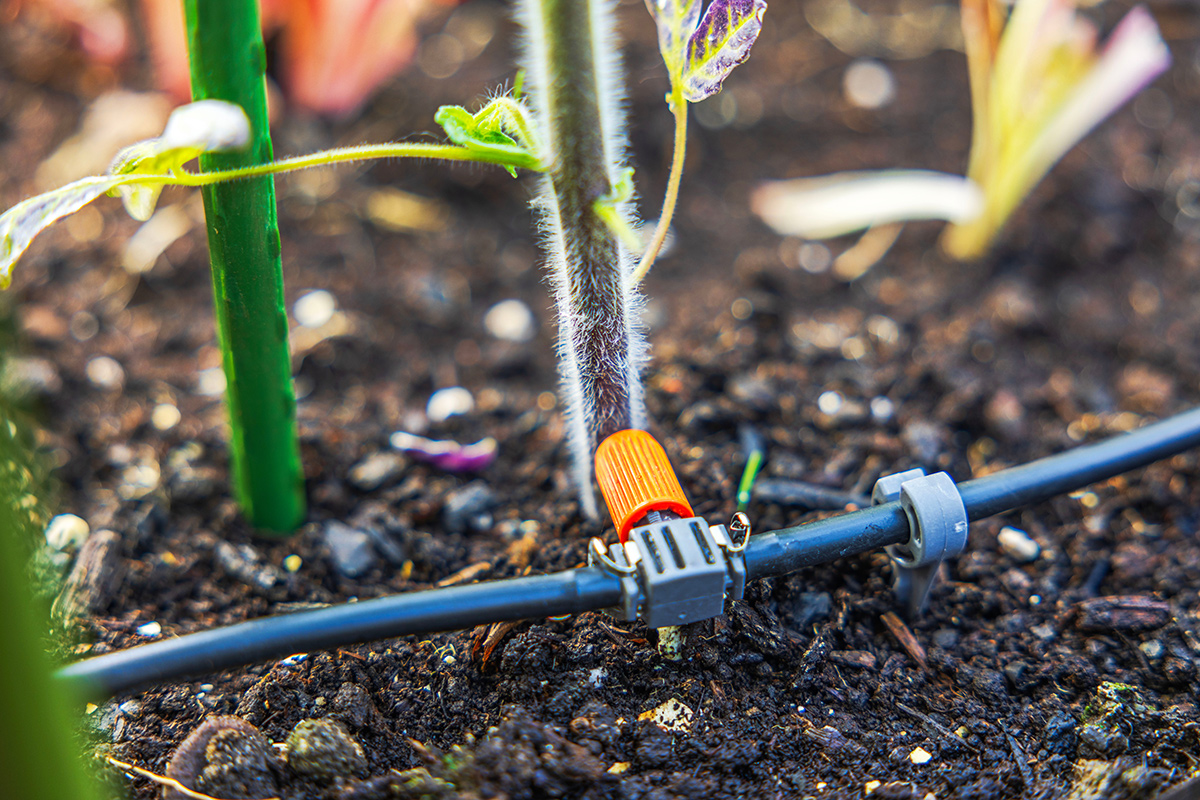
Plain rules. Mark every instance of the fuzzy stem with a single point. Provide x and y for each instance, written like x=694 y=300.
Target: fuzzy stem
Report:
x=679 y=110
x=569 y=53
x=227 y=63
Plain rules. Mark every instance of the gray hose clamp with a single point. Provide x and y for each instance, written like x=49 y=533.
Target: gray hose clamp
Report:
x=674 y=572
x=937 y=525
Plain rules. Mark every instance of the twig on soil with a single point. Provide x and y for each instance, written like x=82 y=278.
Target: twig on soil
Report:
x=905 y=637
x=937 y=726
x=164 y=780
x=466 y=574
x=1022 y=762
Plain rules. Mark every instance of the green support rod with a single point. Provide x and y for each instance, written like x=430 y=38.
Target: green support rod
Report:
x=228 y=63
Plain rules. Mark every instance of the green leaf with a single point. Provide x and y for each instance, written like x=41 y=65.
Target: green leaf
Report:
x=500 y=130
x=136 y=174
x=21 y=223
x=721 y=42
x=676 y=20
x=208 y=126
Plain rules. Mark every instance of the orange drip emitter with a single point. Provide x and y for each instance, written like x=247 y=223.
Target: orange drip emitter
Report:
x=674 y=567
x=636 y=479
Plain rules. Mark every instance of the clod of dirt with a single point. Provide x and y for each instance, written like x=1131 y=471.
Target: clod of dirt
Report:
x=226 y=757
x=1123 y=779
x=321 y=749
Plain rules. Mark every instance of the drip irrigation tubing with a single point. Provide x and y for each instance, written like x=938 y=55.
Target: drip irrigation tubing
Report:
x=591 y=588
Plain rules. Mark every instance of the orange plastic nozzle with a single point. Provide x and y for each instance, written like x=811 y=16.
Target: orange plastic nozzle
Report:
x=636 y=478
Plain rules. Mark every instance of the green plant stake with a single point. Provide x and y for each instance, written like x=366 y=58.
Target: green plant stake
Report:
x=228 y=63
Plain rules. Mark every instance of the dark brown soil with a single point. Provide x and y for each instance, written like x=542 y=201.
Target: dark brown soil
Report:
x=1083 y=323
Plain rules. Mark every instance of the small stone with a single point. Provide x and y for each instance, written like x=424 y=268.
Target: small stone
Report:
x=376 y=470
x=945 y=638
x=105 y=373
x=810 y=608
x=868 y=84
x=990 y=683
x=469 y=508
x=511 y=321
x=920 y=755
x=210 y=382
x=293 y=563
x=1017 y=544
x=349 y=549
x=150 y=630
x=322 y=750
x=243 y=562
x=1133 y=613
x=1152 y=649
x=446 y=403
x=67 y=531
x=314 y=308
x=165 y=416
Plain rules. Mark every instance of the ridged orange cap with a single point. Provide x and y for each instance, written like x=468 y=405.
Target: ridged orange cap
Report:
x=636 y=478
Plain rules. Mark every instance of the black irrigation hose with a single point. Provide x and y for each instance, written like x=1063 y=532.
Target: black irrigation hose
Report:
x=790 y=549
x=452 y=608
x=589 y=589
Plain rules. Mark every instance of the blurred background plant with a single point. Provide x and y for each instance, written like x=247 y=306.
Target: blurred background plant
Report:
x=1039 y=83
x=331 y=54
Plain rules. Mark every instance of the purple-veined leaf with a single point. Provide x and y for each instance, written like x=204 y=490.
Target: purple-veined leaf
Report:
x=722 y=41
x=676 y=20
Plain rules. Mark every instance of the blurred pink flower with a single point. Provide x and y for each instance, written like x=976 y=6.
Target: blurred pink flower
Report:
x=332 y=53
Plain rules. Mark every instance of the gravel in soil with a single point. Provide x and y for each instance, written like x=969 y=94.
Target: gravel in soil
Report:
x=1065 y=667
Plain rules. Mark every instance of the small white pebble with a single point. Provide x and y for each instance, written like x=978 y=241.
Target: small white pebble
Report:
x=206 y=687
x=871 y=786
x=211 y=382
x=314 y=308
x=149 y=630
x=165 y=416
x=67 y=530
x=868 y=84
x=510 y=320
x=1017 y=544
x=1153 y=649
x=597 y=675
x=449 y=660
x=882 y=408
x=105 y=373
x=293 y=563
x=829 y=403
x=446 y=403
x=920 y=756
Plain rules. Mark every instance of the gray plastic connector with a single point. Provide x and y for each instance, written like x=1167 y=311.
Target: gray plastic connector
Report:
x=675 y=572
x=937 y=523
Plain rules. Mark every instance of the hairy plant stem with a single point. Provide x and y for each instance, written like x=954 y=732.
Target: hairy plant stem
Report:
x=670 y=199
x=572 y=73
x=325 y=158
x=227 y=63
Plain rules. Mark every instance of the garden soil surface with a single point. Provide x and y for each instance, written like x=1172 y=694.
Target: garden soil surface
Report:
x=1023 y=678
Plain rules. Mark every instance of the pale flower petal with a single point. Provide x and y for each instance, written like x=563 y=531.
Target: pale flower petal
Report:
x=819 y=208
x=1133 y=57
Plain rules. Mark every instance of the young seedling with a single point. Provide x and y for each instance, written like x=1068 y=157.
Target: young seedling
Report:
x=572 y=130
x=1038 y=83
